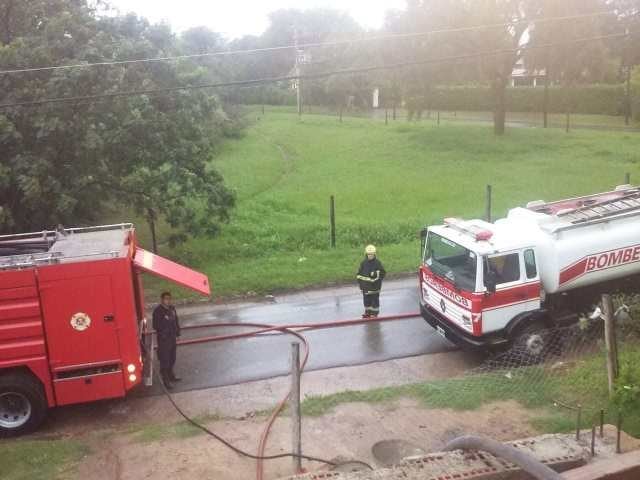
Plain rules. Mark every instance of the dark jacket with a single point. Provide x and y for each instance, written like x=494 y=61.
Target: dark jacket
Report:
x=165 y=322
x=370 y=275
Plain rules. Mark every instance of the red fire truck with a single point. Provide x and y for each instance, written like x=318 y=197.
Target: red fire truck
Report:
x=72 y=318
x=485 y=285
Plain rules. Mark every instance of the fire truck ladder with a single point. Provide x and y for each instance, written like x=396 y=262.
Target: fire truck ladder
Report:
x=594 y=210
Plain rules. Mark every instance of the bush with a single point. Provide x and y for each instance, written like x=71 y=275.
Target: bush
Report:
x=629 y=324
x=588 y=99
x=627 y=389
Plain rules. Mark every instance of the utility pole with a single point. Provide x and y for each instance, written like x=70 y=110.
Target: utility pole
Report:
x=299 y=58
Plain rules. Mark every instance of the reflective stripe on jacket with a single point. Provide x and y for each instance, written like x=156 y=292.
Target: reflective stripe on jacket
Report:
x=370 y=275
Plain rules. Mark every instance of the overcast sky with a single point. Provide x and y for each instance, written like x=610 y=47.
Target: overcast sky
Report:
x=235 y=18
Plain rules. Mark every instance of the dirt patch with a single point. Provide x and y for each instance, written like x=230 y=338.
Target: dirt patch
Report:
x=349 y=431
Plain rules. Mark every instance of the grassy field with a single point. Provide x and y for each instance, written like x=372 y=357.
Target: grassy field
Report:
x=388 y=182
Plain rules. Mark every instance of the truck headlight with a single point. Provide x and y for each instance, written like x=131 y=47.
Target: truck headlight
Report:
x=425 y=292
x=466 y=320
x=131 y=368
x=132 y=378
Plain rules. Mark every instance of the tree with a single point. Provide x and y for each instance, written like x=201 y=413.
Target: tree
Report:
x=628 y=18
x=68 y=162
x=496 y=68
x=567 y=63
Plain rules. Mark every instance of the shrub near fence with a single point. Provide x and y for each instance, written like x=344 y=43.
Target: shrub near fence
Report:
x=590 y=99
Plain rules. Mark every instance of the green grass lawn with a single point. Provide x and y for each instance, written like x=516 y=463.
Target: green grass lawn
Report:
x=388 y=182
x=40 y=459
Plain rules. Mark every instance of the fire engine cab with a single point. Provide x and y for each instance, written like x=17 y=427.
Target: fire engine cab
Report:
x=484 y=285
x=72 y=318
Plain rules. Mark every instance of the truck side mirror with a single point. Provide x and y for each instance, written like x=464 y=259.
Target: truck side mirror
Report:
x=490 y=281
x=423 y=239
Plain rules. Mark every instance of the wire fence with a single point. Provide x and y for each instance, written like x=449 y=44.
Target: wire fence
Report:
x=563 y=368
x=560 y=375
x=515 y=119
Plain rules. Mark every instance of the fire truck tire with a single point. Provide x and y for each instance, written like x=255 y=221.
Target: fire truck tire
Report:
x=23 y=405
x=531 y=342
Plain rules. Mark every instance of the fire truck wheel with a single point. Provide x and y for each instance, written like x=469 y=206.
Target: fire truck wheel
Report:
x=531 y=342
x=23 y=405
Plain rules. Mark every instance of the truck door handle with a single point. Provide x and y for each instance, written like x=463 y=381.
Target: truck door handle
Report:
x=109 y=318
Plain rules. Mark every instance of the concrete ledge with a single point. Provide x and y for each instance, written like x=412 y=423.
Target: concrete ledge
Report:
x=562 y=452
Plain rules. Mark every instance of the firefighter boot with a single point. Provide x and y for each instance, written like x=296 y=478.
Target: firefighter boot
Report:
x=166 y=379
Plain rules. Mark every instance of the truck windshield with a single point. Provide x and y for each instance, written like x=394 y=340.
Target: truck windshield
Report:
x=451 y=261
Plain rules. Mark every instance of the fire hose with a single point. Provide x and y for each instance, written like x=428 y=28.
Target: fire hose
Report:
x=527 y=463
x=292 y=329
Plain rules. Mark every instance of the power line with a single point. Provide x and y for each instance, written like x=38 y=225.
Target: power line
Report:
x=348 y=71
x=305 y=45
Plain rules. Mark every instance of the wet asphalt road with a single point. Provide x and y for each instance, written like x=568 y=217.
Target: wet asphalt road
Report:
x=236 y=361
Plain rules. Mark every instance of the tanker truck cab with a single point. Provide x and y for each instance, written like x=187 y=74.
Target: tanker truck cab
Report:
x=477 y=282
x=485 y=285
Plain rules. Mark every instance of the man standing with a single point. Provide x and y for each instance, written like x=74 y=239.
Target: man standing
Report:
x=370 y=277
x=167 y=327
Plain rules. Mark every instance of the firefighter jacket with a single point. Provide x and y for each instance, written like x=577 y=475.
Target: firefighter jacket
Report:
x=370 y=275
x=165 y=322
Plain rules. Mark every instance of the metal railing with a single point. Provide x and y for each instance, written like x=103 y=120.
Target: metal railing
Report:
x=26 y=260
x=45 y=234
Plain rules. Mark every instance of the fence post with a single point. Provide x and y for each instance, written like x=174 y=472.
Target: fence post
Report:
x=386 y=116
x=578 y=422
x=340 y=113
x=568 y=126
x=610 y=341
x=294 y=405
x=618 y=432
x=438 y=117
x=627 y=178
x=487 y=214
x=332 y=220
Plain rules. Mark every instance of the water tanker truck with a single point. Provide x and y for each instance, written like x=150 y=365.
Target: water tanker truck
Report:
x=485 y=285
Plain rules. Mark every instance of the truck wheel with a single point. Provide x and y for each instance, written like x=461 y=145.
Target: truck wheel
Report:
x=23 y=405
x=532 y=343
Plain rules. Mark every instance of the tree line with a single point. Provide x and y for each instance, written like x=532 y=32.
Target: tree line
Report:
x=573 y=51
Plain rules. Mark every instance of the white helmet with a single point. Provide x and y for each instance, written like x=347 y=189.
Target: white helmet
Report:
x=370 y=250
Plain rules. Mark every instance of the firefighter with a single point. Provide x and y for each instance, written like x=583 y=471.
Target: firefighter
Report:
x=370 y=277
x=167 y=327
